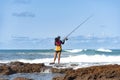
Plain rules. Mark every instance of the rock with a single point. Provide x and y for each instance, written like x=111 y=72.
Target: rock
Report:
x=19 y=67
x=57 y=78
x=3 y=79
x=74 y=65
x=105 y=72
x=5 y=70
x=64 y=70
x=21 y=78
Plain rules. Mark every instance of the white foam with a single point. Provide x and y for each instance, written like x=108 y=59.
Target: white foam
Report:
x=92 y=58
x=74 y=50
x=73 y=59
x=81 y=60
x=45 y=60
x=104 y=50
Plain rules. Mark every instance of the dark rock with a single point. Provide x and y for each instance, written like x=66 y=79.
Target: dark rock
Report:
x=21 y=78
x=56 y=70
x=19 y=67
x=3 y=79
x=58 y=78
x=105 y=72
x=5 y=70
x=74 y=65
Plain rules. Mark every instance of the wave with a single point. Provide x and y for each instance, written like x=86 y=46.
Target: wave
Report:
x=34 y=53
x=74 y=50
x=45 y=60
x=69 y=59
x=104 y=50
x=80 y=61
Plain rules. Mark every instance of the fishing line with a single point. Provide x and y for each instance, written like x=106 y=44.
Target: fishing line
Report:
x=78 y=26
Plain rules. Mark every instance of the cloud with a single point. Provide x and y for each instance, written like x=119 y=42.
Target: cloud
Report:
x=20 y=38
x=24 y=14
x=101 y=41
x=26 y=42
x=22 y=1
x=31 y=43
x=25 y=39
x=103 y=26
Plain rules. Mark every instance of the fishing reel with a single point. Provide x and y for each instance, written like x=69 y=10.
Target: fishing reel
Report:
x=66 y=39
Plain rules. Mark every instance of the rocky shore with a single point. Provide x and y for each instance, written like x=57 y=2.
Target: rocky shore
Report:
x=19 y=67
x=104 y=72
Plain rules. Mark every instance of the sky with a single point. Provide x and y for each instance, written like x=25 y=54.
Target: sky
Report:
x=41 y=19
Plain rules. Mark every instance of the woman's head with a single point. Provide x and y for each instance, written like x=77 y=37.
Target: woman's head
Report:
x=58 y=37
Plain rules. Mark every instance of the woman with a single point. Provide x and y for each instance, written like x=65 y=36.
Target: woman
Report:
x=58 y=48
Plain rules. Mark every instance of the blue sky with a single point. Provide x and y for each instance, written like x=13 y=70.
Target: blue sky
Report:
x=37 y=19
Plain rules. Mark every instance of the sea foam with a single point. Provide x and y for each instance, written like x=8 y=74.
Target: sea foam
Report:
x=74 y=50
x=72 y=59
x=104 y=50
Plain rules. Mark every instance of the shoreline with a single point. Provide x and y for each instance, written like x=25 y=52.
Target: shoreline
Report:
x=101 y=72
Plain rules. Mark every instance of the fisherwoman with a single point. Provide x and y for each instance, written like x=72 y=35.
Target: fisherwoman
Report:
x=58 y=48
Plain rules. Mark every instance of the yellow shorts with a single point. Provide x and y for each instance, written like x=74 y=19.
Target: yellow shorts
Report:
x=58 y=48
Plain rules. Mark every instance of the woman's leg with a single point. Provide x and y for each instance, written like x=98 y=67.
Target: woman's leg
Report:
x=55 y=55
x=59 y=54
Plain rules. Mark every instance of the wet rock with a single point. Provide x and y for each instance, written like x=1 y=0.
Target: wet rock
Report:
x=74 y=65
x=57 y=70
x=58 y=78
x=105 y=72
x=5 y=70
x=3 y=79
x=21 y=78
x=19 y=67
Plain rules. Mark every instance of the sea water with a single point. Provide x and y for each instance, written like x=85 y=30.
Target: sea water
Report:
x=79 y=57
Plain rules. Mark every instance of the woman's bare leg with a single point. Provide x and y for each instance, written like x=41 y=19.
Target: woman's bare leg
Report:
x=55 y=55
x=59 y=54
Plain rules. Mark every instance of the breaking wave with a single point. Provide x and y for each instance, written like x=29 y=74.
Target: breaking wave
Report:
x=74 y=50
x=104 y=50
x=73 y=59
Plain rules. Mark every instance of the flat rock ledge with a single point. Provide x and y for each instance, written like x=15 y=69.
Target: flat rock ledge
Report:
x=104 y=72
x=19 y=67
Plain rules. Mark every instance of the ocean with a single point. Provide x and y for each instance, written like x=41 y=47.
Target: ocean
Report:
x=81 y=57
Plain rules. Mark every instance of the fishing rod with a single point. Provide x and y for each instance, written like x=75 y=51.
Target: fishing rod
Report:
x=78 y=27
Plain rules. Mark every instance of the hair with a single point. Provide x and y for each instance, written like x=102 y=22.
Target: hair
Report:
x=56 y=39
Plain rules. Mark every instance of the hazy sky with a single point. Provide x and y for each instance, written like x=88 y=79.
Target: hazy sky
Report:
x=49 y=18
